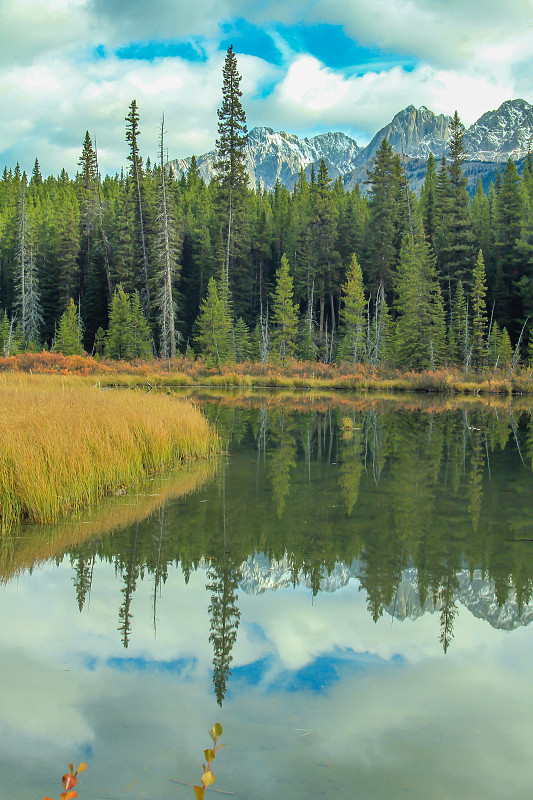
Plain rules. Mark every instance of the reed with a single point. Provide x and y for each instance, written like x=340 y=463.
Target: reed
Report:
x=66 y=443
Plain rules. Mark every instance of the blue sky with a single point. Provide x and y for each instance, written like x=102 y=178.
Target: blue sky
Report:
x=67 y=66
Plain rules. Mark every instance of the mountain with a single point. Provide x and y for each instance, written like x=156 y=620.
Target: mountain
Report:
x=260 y=574
x=497 y=135
x=501 y=134
x=416 y=132
x=272 y=156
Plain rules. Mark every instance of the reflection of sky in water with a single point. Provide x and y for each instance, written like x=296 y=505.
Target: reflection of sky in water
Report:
x=322 y=702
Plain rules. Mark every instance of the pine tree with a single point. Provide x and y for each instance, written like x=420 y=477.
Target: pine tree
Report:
x=427 y=201
x=167 y=253
x=27 y=303
x=214 y=328
x=141 y=346
x=509 y=255
x=132 y=133
x=457 y=256
x=384 y=229
x=479 y=315
x=88 y=178
x=241 y=341
x=230 y=164
x=324 y=254
x=119 y=344
x=459 y=344
x=284 y=314
x=353 y=323
x=69 y=333
x=420 y=328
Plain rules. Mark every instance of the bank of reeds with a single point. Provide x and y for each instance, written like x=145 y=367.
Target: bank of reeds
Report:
x=65 y=443
x=26 y=547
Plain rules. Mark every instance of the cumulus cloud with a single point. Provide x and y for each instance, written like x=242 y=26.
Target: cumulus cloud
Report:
x=60 y=73
x=310 y=92
x=52 y=103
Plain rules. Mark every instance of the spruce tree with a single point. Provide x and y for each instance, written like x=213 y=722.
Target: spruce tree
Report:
x=141 y=346
x=284 y=314
x=509 y=255
x=132 y=134
x=119 y=344
x=479 y=315
x=458 y=339
x=69 y=333
x=214 y=329
x=384 y=223
x=230 y=164
x=458 y=254
x=353 y=322
x=420 y=327
x=167 y=254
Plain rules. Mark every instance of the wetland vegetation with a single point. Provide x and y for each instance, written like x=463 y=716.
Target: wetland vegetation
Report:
x=67 y=442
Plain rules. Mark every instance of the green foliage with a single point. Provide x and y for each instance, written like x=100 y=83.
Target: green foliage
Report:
x=284 y=314
x=420 y=329
x=128 y=335
x=353 y=319
x=69 y=334
x=241 y=341
x=214 y=327
x=479 y=315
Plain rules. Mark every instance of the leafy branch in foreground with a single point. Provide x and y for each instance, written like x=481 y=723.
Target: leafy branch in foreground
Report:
x=70 y=780
x=208 y=776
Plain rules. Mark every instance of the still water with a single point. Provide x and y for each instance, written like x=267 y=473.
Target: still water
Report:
x=348 y=591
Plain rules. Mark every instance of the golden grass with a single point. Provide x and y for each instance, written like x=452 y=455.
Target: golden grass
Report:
x=25 y=547
x=65 y=443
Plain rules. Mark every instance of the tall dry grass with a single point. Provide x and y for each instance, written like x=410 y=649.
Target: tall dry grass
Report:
x=64 y=443
x=25 y=547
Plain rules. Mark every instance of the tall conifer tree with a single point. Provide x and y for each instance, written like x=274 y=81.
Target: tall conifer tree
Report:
x=230 y=164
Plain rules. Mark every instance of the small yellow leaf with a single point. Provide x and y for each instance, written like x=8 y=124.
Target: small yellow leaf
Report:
x=82 y=767
x=208 y=778
x=217 y=729
x=209 y=755
x=199 y=792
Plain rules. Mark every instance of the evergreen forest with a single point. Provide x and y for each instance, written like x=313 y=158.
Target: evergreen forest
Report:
x=139 y=265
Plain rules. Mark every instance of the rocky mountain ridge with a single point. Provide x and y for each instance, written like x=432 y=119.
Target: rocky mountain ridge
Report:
x=477 y=594
x=506 y=132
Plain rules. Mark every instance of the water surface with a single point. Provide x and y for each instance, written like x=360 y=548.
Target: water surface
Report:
x=348 y=591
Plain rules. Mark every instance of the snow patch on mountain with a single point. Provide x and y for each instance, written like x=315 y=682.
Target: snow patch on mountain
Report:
x=260 y=574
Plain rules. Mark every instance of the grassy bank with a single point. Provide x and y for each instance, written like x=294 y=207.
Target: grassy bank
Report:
x=66 y=443
x=293 y=375
x=25 y=547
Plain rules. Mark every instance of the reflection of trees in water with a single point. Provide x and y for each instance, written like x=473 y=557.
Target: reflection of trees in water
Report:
x=223 y=582
x=130 y=575
x=282 y=460
x=436 y=491
x=83 y=564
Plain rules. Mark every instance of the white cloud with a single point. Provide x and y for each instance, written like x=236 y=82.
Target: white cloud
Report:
x=311 y=94
x=472 y=57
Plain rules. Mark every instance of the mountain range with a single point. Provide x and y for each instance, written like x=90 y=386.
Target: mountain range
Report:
x=496 y=136
x=474 y=591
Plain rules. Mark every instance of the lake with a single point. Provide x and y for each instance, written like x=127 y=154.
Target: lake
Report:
x=347 y=590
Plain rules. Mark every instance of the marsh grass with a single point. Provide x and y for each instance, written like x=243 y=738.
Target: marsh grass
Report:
x=65 y=443
x=26 y=546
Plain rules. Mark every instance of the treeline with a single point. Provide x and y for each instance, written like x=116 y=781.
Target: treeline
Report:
x=381 y=277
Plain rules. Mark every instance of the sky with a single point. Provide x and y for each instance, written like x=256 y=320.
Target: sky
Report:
x=395 y=711
x=307 y=66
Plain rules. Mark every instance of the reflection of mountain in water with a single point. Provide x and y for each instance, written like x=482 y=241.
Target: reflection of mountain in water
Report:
x=477 y=594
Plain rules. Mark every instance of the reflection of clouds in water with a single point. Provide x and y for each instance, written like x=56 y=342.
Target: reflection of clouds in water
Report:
x=380 y=700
